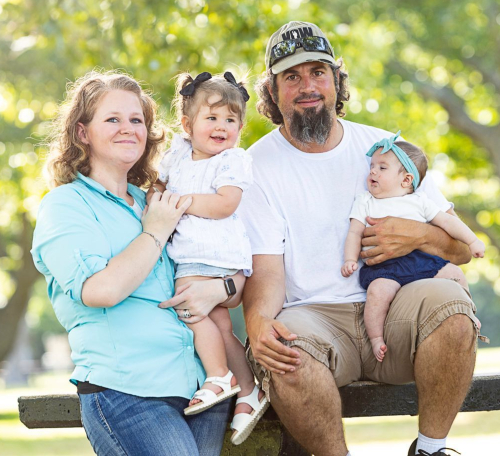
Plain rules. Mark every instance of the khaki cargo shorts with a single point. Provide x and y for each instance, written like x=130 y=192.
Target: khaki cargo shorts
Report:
x=335 y=334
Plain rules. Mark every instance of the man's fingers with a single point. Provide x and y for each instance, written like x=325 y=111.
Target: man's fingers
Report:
x=370 y=253
x=283 y=331
x=373 y=220
x=271 y=365
x=275 y=349
x=369 y=241
x=376 y=260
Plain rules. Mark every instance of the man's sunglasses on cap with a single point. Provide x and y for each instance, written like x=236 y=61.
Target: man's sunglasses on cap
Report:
x=288 y=47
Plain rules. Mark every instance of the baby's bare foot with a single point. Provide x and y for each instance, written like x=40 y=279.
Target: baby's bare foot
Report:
x=379 y=348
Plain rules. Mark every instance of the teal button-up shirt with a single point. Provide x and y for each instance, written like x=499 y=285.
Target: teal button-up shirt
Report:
x=133 y=347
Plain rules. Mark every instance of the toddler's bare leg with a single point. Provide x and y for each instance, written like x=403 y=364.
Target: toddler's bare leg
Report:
x=209 y=345
x=379 y=296
x=235 y=356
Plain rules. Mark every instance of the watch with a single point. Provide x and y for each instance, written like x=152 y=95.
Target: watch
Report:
x=230 y=286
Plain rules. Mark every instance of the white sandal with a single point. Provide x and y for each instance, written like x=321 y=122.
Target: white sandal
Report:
x=243 y=423
x=208 y=398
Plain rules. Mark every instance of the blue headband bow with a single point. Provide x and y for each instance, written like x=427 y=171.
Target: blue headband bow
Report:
x=387 y=144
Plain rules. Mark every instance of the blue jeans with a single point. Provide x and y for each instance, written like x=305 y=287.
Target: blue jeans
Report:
x=119 y=424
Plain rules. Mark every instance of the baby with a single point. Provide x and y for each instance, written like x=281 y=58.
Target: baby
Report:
x=396 y=171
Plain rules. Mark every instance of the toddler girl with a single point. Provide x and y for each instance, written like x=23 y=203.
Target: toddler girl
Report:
x=210 y=239
x=396 y=170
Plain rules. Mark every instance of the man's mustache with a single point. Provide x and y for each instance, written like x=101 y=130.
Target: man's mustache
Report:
x=311 y=96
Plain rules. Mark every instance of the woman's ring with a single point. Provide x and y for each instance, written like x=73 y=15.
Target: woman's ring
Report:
x=187 y=313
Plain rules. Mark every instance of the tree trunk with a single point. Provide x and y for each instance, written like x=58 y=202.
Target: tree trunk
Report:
x=24 y=278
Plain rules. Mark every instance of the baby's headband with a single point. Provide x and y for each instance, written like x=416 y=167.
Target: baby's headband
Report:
x=387 y=144
x=189 y=90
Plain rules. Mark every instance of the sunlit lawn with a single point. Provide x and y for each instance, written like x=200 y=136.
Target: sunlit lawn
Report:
x=472 y=434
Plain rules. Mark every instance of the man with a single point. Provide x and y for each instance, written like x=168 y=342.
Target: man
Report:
x=304 y=320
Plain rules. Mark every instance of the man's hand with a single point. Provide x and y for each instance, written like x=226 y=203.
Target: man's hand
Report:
x=391 y=237
x=349 y=267
x=263 y=334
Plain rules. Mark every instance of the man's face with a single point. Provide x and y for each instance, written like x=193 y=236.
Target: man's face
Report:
x=306 y=96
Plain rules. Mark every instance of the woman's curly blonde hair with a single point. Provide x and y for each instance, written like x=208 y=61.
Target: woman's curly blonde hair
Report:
x=69 y=155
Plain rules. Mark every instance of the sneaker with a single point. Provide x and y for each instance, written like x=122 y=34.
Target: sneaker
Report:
x=411 y=451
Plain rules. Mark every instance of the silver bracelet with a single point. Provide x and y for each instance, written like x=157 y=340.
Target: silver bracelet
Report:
x=157 y=242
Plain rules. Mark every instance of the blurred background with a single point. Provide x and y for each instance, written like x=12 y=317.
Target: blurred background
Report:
x=431 y=69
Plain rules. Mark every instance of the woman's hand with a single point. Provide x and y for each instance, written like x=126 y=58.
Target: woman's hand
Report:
x=162 y=215
x=157 y=187
x=199 y=297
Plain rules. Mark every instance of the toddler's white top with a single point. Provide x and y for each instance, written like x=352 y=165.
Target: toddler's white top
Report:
x=223 y=243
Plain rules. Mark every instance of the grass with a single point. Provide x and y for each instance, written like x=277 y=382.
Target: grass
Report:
x=389 y=436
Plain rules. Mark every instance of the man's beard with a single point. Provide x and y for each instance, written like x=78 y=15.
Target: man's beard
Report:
x=311 y=126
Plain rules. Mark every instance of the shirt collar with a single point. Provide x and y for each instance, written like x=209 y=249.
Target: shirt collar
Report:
x=136 y=192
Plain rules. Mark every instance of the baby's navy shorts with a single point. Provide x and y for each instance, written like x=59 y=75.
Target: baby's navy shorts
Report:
x=409 y=268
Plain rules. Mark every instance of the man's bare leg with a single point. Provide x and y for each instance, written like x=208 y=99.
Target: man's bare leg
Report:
x=299 y=399
x=444 y=365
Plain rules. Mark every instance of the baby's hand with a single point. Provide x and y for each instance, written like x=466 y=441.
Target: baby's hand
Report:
x=349 y=267
x=477 y=249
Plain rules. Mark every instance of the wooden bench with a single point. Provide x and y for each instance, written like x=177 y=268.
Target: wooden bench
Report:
x=360 y=399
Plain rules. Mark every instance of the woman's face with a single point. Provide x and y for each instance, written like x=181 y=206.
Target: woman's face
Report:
x=117 y=133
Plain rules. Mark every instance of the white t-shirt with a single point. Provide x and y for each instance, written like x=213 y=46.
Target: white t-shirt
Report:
x=223 y=243
x=299 y=207
x=415 y=206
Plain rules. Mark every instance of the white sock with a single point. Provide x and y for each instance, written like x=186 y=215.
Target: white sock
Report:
x=429 y=445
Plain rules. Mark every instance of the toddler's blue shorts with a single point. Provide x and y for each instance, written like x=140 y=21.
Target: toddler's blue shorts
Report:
x=409 y=268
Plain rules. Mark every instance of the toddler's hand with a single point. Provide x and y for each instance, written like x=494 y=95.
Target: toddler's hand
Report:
x=477 y=249
x=349 y=267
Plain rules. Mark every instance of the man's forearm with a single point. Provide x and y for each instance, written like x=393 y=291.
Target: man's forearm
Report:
x=393 y=237
x=438 y=242
x=264 y=292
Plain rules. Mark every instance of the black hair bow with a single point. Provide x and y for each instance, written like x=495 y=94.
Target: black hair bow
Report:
x=228 y=76
x=188 y=91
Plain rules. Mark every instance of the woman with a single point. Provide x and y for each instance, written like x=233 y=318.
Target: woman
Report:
x=103 y=258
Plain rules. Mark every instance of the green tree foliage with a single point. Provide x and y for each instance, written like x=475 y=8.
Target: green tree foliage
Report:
x=430 y=70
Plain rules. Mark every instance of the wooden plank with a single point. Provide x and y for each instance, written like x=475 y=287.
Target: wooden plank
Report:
x=359 y=399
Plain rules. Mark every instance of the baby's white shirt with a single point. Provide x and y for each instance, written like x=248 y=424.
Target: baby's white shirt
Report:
x=415 y=206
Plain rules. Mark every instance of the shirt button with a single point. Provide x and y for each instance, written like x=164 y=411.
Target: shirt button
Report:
x=189 y=347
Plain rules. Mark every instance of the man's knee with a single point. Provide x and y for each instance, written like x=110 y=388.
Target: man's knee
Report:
x=461 y=329
x=304 y=373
